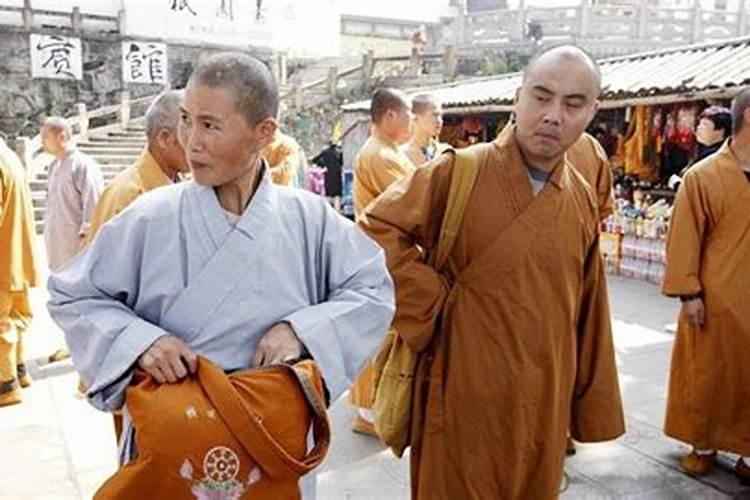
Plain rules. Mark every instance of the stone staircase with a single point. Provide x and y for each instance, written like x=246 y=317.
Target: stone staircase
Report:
x=114 y=150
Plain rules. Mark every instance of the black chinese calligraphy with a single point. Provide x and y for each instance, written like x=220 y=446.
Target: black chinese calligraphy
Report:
x=225 y=10
x=57 y=54
x=258 y=10
x=180 y=5
x=145 y=63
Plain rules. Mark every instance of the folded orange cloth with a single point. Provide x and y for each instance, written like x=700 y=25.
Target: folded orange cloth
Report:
x=224 y=437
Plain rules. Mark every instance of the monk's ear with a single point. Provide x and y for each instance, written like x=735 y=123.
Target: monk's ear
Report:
x=746 y=117
x=266 y=130
x=516 y=95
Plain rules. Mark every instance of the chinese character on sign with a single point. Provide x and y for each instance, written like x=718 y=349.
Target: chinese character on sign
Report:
x=55 y=56
x=144 y=62
x=180 y=5
x=225 y=10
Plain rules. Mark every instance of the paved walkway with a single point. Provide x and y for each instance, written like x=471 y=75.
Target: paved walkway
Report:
x=55 y=446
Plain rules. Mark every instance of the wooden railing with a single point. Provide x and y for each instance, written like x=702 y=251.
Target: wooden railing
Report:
x=74 y=21
x=600 y=24
x=116 y=116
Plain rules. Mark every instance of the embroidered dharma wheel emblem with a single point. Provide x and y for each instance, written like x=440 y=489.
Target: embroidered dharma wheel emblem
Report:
x=221 y=464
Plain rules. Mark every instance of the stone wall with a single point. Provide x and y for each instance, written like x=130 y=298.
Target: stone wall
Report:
x=25 y=102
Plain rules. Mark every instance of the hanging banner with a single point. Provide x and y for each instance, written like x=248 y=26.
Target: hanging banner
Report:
x=144 y=62
x=54 y=56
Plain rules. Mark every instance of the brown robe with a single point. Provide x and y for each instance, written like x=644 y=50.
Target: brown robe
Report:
x=378 y=165
x=590 y=160
x=524 y=350
x=708 y=252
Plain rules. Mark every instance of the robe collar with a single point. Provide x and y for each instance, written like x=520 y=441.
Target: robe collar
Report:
x=506 y=143
x=726 y=151
x=253 y=221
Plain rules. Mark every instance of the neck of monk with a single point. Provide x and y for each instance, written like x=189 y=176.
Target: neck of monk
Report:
x=740 y=146
x=163 y=163
x=421 y=138
x=235 y=195
x=382 y=134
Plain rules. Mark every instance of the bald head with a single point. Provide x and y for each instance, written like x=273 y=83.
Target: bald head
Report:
x=58 y=124
x=387 y=99
x=740 y=106
x=568 y=53
x=248 y=79
x=164 y=113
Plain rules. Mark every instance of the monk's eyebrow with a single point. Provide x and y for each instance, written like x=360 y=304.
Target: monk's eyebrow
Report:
x=542 y=89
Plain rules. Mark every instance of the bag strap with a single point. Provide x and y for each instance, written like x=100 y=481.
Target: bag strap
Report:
x=463 y=177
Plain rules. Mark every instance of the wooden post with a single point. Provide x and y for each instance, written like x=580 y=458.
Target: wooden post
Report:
x=124 y=109
x=696 y=34
x=76 y=20
x=450 y=62
x=741 y=18
x=281 y=59
x=23 y=150
x=83 y=121
x=121 y=21
x=642 y=19
x=28 y=15
x=584 y=28
x=298 y=92
x=333 y=80
x=368 y=67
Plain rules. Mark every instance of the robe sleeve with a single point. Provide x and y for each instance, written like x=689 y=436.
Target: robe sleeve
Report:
x=685 y=241
x=344 y=330
x=406 y=222
x=604 y=192
x=89 y=183
x=92 y=299
x=597 y=413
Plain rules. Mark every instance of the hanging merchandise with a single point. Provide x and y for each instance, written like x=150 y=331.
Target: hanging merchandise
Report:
x=636 y=145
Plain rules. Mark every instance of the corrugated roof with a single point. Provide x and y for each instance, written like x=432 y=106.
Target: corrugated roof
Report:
x=689 y=69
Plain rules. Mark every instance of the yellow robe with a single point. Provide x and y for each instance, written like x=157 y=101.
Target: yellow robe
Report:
x=377 y=165
x=416 y=155
x=283 y=156
x=18 y=268
x=590 y=160
x=708 y=252
x=144 y=175
x=523 y=349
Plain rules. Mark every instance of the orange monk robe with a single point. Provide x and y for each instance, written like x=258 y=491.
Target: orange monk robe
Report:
x=525 y=348
x=284 y=158
x=18 y=268
x=377 y=165
x=416 y=153
x=708 y=253
x=590 y=160
x=144 y=175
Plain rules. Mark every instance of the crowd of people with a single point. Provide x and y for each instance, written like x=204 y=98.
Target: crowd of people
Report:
x=232 y=286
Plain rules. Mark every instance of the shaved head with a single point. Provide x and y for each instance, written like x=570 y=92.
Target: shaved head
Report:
x=248 y=79
x=740 y=104
x=164 y=113
x=385 y=99
x=58 y=124
x=566 y=52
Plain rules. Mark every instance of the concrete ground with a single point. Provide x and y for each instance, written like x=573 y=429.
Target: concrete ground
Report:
x=55 y=446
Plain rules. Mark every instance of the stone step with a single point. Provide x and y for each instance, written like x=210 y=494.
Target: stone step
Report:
x=118 y=141
x=114 y=159
x=111 y=150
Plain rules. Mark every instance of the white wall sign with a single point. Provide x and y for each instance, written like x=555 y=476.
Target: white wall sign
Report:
x=54 y=56
x=305 y=27
x=144 y=62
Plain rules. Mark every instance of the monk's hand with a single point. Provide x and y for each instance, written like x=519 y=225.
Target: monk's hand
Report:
x=168 y=360
x=694 y=312
x=277 y=345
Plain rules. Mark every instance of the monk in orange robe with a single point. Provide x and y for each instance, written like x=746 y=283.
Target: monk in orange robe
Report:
x=160 y=163
x=378 y=164
x=708 y=256
x=284 y=157
x=514 y=336
x=423 y=145
x=18 y=272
